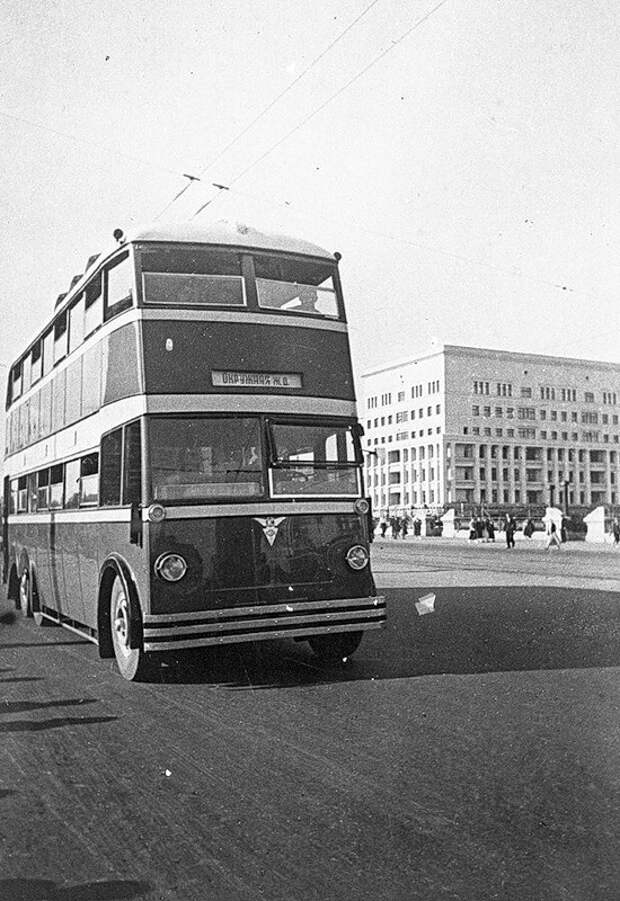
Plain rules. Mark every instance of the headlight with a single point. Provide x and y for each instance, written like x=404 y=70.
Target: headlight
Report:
x=361 y=505
x=156 y=513
x=357 y=557
x=170 y=567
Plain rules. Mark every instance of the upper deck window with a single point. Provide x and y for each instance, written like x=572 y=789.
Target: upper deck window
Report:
x=16 y=381
x=60 y=337
x=36 y=362
x=48 y=351
x=192 y=278
x=296 y=286
x=93 y=310
x=119 y=287
x=76 y=324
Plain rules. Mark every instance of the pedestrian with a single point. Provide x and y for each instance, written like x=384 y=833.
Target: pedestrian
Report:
x=417 y=527
x=510 y=531
x=395 y=523
x=405 y=526
x=554 y=539
x=528 y=529
x=491 y=529
x=479 y=528
x=615 y=529
x=383 y=525
x=472 y=529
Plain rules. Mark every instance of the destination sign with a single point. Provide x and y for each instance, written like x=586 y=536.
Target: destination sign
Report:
x=232 y=379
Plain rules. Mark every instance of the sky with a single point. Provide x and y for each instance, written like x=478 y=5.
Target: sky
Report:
x=461 y=155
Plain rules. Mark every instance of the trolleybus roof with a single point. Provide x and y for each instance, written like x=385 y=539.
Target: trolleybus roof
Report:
x=227 y=233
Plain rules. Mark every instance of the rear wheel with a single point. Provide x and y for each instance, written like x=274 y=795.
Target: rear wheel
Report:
x=134 y=663
x=335 y=648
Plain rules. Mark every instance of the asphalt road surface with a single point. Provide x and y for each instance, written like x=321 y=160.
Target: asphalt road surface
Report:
x=471 y=752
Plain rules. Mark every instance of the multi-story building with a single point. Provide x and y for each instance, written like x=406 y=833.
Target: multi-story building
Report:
x=468 y=426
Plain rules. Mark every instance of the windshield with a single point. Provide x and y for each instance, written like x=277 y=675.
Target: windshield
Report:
x=206 y=458
x=299 y=286
x=313 y=460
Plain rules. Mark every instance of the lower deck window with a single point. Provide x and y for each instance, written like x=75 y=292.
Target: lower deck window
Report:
x=205 y=459
x=313 y=460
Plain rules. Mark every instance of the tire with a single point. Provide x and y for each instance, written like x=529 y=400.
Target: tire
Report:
x=24 y=597
x=335 y=648
x=134 y=664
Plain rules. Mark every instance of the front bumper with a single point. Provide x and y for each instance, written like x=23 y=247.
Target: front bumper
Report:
x=300 y=619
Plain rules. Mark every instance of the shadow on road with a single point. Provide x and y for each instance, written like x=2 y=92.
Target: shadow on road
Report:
x=46 y=890
x=43 y=644
x=59 y=723
x=23 y=679
x=25 y=706
x=472 y=630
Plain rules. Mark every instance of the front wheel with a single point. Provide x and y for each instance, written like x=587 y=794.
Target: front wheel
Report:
x=133 y=663
x=335 y=648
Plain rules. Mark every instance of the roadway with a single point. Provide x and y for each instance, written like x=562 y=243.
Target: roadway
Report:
x=469 y=753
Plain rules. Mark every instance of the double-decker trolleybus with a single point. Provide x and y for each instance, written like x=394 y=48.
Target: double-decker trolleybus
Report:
x=183 y=461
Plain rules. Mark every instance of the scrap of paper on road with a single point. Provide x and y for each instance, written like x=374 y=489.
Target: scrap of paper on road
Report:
x=426 y=604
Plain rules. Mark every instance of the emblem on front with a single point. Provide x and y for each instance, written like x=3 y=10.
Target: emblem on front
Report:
x=270 y=527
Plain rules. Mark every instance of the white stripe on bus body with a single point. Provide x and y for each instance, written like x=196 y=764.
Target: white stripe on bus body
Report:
x=47 y=517
x=250 y=403
x=198 y=511
x=210 y=616
x=243 y=316
x=260 y=508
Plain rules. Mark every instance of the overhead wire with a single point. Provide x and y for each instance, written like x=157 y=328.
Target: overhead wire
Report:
x=286 y=90
x=425 y=247
x=330 y=99
x=107 y=147
x=276 y=99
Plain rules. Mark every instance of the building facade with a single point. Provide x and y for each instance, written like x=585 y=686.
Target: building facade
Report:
x=467 y=427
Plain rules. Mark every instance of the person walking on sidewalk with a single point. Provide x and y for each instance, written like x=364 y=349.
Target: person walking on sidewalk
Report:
x=510 y=531
x=554 y=539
